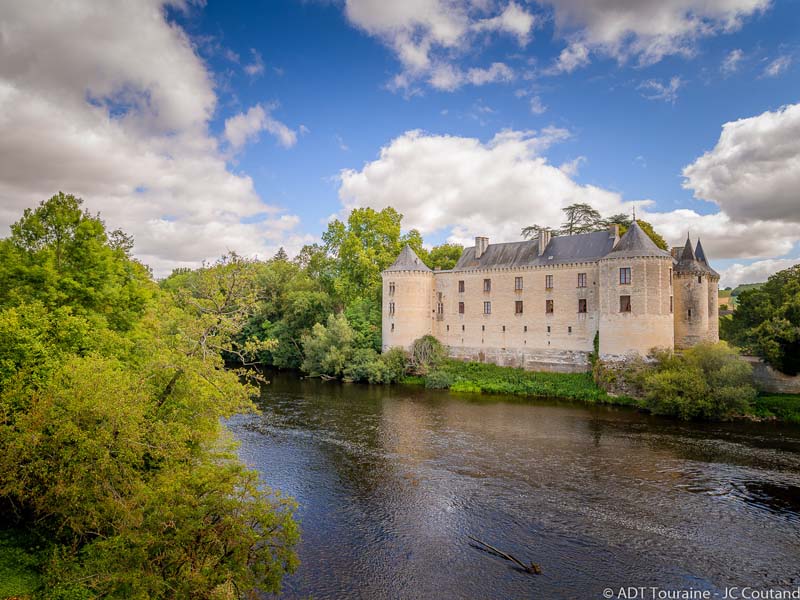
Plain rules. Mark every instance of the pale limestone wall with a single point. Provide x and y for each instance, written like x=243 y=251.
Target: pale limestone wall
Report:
x=691 y=294
x=768 y=379
x=649 y=324
x=532 y=359
x=473 y=333
x=713 y=310
x=413 y=313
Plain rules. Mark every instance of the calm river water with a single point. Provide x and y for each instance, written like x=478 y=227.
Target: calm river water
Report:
x=392 y=480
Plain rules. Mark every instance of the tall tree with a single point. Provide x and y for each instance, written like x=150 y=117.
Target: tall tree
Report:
x=580 y=218
x=443 y=256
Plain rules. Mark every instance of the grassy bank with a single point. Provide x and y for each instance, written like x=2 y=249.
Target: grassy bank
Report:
x=19 y=558
x=783 y=407
x=459 y=376
x=486 y=378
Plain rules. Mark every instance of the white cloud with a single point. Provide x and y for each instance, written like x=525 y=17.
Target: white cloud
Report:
x=777 y=66
x=571 y=167
x=255 y=68
x=753 y=172
x=654 y=89
x=107 y=117
x=465 y=187
x=537 y=106
x=574 y=56
x=426 y=35
x=514 y=20
x=648 y=30
x=495 y=188
x=244 y=127
x=756 y=272
x=731 y=63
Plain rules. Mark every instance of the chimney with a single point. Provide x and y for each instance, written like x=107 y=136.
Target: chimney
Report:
x=676 y=252
x=544 y=239
x=481 y=243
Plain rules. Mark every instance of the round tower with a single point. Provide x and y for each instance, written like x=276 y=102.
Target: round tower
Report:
x=407 y=306
x=635 y=296
x=696 y=298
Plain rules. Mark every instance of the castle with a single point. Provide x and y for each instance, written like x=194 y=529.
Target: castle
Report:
x=539 y=303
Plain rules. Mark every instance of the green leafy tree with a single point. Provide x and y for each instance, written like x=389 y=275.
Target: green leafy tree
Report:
x=767 y=320
x=443 y=256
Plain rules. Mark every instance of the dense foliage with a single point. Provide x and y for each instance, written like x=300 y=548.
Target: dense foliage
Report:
x=707 y=381
x=767 y=321
x=112 y=453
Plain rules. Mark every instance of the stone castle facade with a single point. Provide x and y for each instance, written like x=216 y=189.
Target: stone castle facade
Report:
x=539 y=303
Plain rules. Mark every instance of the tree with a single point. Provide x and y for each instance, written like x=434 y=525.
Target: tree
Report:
x=363 y=247
x=580 y=218
x=767 y=320
x=443 y=256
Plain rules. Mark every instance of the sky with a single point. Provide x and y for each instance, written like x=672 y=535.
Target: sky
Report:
x=206 y=127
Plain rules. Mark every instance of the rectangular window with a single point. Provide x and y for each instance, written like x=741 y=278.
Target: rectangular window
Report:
x=391 y=308
x=581 y=280
x=462 y=328
x=392 y=326
x=518 y=307
x=548 y=329
x=440 y=309
x=461 y=308
x=548 y=307
x=624 y=304
x=582 y=305
x=504 y=328
x=625 y=276
x=699 y=279
x=690 y=313
x=487 y=285
x=548 y=282
x=670 y=304
x=461 y=286
x=525 y=329
x=517 y=283
x=569 y=329
x=391 y=288
x=448 y=328
x=483 y=327
x=487 y=308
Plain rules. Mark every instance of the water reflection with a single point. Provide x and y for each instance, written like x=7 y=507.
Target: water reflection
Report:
x=392 y=480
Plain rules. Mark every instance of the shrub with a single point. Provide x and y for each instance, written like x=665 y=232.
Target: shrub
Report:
x=395 y=361
x=438 y=380
x=427 y=353
x=328 y=348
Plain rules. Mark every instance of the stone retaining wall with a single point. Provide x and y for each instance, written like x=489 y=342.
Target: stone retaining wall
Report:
x=768 y=379
x=559 y=361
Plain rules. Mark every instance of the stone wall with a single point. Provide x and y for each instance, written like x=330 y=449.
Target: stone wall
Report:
x=768 y=379
x=559 y=361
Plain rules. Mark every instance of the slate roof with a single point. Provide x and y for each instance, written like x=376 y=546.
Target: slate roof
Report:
x=694 y=261
x=636 y=243
x=408 y=260
x=585 y=247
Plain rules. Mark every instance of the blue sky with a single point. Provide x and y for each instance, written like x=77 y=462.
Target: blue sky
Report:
x=246 y=125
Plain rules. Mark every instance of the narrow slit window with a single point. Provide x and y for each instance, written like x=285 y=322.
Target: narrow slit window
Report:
x=670 y=304
x=518 y=307
x=391 y=288
x=391 y=308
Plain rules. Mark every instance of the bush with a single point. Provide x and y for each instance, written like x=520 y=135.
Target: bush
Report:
x=395 y=361
x=328 y=349
x=439 y=380
x=427 y=353
x=708 y=381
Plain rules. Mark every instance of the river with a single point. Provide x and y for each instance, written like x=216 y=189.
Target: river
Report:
x=390 y=481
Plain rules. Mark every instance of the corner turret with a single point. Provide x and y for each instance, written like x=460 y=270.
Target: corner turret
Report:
x=696 y=292
x=407 y=303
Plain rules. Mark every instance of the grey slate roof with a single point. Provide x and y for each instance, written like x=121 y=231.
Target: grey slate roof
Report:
x=585 y=247
x=694 y=261
x=408 y=260
x=636 y=243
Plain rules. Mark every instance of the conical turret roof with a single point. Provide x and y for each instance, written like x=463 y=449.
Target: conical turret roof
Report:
x=636 y=243
x=408 y=260
x=694 y=261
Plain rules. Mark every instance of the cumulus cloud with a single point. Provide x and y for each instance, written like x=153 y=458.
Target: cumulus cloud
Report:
x=655 y=89
x=731 y=63
x=574 y=56
x=753 y=172
x=245 y=127
x=426 y=34
x=494 y=188
x=646 y=30
x=777 y=66
x=464 y=187
x=755 y=272
x=89 y=105
x=537 y=106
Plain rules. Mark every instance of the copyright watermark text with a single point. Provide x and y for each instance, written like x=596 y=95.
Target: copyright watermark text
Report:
x=728 y=593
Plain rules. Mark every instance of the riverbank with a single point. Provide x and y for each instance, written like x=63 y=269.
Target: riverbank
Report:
x=19 y=561
x=484 y=378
